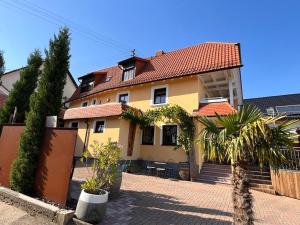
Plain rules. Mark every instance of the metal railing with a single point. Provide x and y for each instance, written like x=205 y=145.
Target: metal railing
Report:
x=215 y=99
x=293 y=157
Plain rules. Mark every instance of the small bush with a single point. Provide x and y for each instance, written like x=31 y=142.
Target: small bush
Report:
x=104 y=166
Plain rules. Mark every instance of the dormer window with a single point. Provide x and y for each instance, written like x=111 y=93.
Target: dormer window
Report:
x=87 y=84
x=108 y=79
x=128 y=70
x=129 y=73
x=131 y=67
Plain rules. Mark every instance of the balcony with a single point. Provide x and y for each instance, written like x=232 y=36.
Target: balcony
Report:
x=223 y=85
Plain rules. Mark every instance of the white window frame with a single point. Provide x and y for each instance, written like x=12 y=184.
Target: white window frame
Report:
x=141 y=141
x=87 y=104
x=152 y=95
x=76 y=121
x=126 y=70
x=161 y=133
x=94 y=126
x=122 y=93
x=94 y=99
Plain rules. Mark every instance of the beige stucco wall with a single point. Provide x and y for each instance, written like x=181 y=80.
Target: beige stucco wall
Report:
x=185 y=92
x=113 y=128
x=11 y=77
x=181 y=91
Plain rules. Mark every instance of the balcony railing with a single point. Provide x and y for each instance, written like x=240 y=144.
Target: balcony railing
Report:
x=211 y=100
x=294 y=157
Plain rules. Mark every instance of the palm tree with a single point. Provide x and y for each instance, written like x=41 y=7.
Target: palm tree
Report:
x=241 y=138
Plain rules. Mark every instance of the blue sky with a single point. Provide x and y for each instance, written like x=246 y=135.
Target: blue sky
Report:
x=104 y=32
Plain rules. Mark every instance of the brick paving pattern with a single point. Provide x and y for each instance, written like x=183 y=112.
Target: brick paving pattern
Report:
x=149 y=200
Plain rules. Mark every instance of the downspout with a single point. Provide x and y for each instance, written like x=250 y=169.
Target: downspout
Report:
x=86 y=134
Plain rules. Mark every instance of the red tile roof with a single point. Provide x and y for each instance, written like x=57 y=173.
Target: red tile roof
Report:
x=2 y=99
x=95 y=111
x=210 y=109
x=200 y=58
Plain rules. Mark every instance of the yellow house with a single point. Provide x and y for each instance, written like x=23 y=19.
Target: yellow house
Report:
x=202 y=79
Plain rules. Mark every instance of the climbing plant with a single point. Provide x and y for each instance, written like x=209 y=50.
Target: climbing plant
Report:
x=175 y=114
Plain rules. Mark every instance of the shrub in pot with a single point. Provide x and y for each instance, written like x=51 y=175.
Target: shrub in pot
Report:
x=91 y=206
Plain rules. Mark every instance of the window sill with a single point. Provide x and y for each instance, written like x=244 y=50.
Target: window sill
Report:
x=146 y=144
x=157 y=105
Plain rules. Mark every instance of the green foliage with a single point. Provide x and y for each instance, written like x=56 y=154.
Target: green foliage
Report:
x=22 y=90
x=56 y=67
x=242 y=138
x=246 y=136
x=104 y=166
x=2 y=64
x=174 y=114
x=46 y=101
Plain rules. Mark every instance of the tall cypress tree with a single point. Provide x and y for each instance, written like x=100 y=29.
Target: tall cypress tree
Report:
x=22 y=90
x=2 y=64
x=46 y=101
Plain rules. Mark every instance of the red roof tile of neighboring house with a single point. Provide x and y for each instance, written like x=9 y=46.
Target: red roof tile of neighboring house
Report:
x=206 y=57
x=2 y=99
x=210 y=109
x=95 y=111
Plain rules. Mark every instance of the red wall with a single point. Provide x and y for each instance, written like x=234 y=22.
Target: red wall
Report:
x=55 y=166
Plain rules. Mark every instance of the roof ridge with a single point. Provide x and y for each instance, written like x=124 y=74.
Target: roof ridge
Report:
x=272 y=96
x=172 y=51
x=194 y=45
x=220 y=42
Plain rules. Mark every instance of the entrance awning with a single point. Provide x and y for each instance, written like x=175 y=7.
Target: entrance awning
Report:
x=95 y=111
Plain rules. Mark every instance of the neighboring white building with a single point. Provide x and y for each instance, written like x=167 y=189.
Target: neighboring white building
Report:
x=9 y=78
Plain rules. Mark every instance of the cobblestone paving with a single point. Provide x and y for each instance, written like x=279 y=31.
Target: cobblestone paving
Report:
x=149 y=200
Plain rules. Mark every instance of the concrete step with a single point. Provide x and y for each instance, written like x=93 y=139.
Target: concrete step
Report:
x=258 y=168
x=215 y=173
x=262 y=177
x=251 y=172
x=260 y=181
x=213 y=181
x=203 y=176
x=263 y=188
x=216 y=165
x=220 y=169
x=266 y=186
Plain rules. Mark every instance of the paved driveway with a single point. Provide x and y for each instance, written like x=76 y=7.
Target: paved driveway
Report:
x=152 y=200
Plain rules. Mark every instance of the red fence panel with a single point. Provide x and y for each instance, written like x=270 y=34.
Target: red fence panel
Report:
x=55 y=165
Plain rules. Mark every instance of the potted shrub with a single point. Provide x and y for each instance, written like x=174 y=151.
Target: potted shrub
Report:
x=91 y=206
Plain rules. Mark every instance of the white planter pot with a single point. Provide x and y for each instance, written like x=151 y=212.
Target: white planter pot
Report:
x=91 y=208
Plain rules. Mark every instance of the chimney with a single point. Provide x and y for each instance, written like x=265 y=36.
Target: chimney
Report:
x=159 y=53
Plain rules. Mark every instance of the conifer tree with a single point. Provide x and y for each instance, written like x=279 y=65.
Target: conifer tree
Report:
x=22 y=90
x=2 y=64
x=46 y=101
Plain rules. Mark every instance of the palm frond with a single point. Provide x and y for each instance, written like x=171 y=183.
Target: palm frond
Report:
x=247 y=135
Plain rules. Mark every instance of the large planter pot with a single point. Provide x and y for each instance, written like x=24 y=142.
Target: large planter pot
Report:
x=114 y=190
x=90 y=207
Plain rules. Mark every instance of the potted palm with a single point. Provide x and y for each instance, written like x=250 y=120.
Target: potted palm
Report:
x=91 y=206
x=242 y=137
